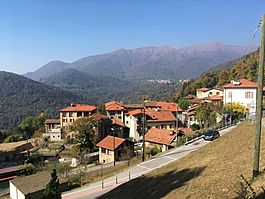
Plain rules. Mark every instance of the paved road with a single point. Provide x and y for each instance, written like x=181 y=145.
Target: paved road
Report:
x=95 y=190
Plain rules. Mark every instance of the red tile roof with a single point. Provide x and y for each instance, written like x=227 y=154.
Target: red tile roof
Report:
x=160 y=116
x=52 y=121
x=79 y=107
x=109 y=142
x=171 y=106
x=185 y=131
x=98 y=116
x=164 y=105
x=213 y=98
x=202 y=89
x=197 y=101
x=136 y=112
x=243 y=83
x=160 y=136
x=118 y=122
x=114 y=106
x=133 y=106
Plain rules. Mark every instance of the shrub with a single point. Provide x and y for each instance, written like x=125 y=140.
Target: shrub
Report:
x=195 y=127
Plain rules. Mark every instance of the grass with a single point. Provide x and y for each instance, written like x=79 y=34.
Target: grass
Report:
x=210 y=172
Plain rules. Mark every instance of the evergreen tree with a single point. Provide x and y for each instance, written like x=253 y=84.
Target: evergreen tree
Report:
x=52 y=189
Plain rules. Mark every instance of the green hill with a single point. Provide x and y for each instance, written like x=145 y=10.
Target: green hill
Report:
x=245 y=67
x=22 y=97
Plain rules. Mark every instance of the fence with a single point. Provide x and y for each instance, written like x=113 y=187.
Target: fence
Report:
x=200 y=135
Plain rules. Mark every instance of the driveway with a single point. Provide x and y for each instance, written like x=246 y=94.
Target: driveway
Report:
x=95 y=190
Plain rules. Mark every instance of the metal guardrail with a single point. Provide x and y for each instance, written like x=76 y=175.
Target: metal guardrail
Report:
x=200 y=135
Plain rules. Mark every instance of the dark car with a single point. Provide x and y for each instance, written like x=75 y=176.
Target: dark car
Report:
x=211 y=135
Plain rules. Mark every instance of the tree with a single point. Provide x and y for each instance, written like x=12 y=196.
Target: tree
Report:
x=238 y=111
x=127 y=154
x=88 y=135
x=184 y=103
x=52 y=189
x=101 y=109
x=207 y=113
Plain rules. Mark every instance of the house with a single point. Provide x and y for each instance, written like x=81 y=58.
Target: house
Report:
x=242 y=91
x=51 y=124
x=103 y=123
x=153 y=118
x=119 y=129
x=161 y=119
x=52 y=130
x=205 y=92
x=115 y=110
x=13 y=150
x=70 y=114
x=167 y=106
x=112 y=147
x=161 y=138
x=191 y=119
x=32 y=186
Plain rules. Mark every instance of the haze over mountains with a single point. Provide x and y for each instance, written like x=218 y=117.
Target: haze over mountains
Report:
x=149 y=62
x=119 y=75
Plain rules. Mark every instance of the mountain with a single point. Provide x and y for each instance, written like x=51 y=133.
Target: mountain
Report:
x=99 y=89
x=72 y=78
x=22 y=97
x=245 y=67
x=150 y=62
x=47 y=70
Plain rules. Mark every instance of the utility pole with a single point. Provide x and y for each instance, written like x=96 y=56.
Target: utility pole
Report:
x=143 y=150
x=259 y=101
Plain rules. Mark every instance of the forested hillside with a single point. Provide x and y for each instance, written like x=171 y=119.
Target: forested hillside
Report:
x=21 y=97
x=245 y=67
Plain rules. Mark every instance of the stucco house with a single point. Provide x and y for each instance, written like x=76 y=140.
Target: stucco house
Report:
x=242 y=91
x=202 y=93
x=32 y=186
x=112 y=147
x=52 y=130
x=70 y=114
x=161 y=138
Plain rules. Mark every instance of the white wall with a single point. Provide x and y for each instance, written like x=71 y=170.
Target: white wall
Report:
x=238 y=95
x=14 y=192
x=131 y=122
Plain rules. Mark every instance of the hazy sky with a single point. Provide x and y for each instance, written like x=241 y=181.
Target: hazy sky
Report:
x=34 y=32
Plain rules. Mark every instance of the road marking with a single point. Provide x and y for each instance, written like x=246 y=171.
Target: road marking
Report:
x=139 y=165
x=170 y=157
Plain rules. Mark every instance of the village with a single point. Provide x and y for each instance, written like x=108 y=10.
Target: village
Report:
x=89 y=136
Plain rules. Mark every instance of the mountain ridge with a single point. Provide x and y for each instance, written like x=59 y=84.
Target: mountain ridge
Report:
x=150 y=62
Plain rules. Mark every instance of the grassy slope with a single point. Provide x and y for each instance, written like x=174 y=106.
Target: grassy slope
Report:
x=217 y=168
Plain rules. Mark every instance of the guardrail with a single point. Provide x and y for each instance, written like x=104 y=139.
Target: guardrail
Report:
x=200 y=135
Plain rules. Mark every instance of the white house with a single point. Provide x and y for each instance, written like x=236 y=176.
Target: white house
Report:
x=205 y=92
x=242 y=91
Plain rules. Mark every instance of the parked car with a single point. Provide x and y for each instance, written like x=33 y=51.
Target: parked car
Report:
x=211 y=135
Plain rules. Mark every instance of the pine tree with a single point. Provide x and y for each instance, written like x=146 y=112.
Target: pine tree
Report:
x=52 y=189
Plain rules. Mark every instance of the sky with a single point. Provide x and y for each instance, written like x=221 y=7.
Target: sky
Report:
x=35 y=32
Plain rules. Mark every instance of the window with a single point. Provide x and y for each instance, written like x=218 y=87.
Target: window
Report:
x=119 y=117
x=64 y=120
x=79 y=114
x=86 y=114
x=248 y=94
x=127 y=122
x=211 y=93
x=217 y=93
x=162 y=126
x=103 y=150
x=230 y=94
x=71 y=114
x=64 y=114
